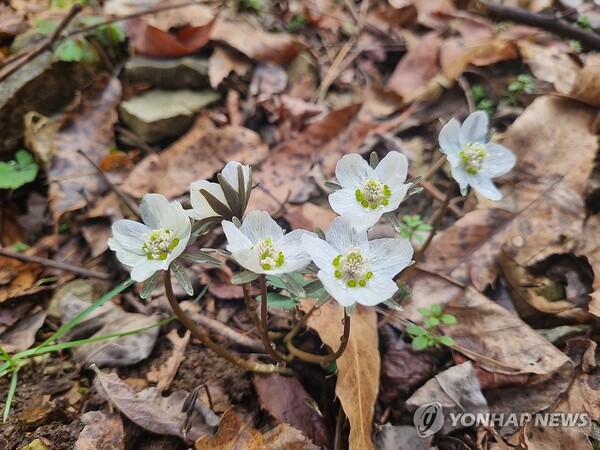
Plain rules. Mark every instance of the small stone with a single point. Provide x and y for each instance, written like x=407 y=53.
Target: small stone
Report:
x=159 y=114
x=180 y=73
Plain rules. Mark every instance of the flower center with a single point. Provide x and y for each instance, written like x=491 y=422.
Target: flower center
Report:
x=269 y=254
x=352 y=268
x=159 y=243
x=373 y=194
x=473 y=155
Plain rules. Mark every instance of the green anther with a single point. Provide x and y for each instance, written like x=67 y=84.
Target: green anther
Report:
x=386 y=190
x=373 y=205
x=279 y=260
x=149 y=256
x=336 y=260
x=338 y=274
x=359 y=195
x=364 y=203
x=266 y=266
x=384 y=202
x=175 y=243
x=362 y=283
x=369 y=275
x=351 y=283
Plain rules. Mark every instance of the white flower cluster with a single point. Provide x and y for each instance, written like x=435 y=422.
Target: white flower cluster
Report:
x=351 y=268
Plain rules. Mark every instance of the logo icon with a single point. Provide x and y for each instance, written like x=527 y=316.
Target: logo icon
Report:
x=429 y=419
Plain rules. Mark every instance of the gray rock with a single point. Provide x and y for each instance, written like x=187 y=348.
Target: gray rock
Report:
x=158 y=114
x=181 y=73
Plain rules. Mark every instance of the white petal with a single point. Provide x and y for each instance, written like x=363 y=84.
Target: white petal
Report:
x=154 y=209
x=344 y=203
x=460 y=175
x=236 y=240
x=474 y=128
x=398 y=194
x=389 y=256
x=484 y=186
x=230 y=173
x=249 y=260
x=342 y=234
x=181 y=226
x=200 y=207
x=344 y=295
x=145 y=268
x=392 y=170
x=130 y=235
x=352 y=170
x=379 y=289
x=321 y=252
x=125 y=256
x=295 y=254
x=449 y=140
x=499 y=160
x=259 y=225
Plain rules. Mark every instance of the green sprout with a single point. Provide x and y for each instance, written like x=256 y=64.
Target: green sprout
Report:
x=584 y=23
x=481 y=101
x=256 y=6
x=426 y=336
x=523 y=84
x=576 y=46
x=412 y=227
x=22 y=170
x=298 y=22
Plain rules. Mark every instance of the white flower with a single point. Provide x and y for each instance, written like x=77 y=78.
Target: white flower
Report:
x=151 y=247
x=367 y=193
x=201 y=209
x=260 y=245
x=473 y=161
x=355 y=270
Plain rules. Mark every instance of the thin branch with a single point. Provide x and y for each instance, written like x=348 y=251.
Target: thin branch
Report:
x=547 y=22
x=54 y=264
x=264 y=321
x=45 y=45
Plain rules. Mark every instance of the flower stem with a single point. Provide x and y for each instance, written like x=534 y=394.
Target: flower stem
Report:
x=319 y=359
x=252 y=366
x=264 y=329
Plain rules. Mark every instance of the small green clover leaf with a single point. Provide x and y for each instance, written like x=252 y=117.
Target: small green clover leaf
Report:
x=23 y=170
x=424 y=336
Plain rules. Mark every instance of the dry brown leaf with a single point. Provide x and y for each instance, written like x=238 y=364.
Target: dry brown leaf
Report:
x=17 y=278
x=89 y=127
x=284 y=436
x=309 y=216
x=358 y=367
x=281 y=176
x=497 y=340
x=288 y=401
x=550 y=63
x=222 y=62
x=149 y=410
x=21 y=336
x=554 y=136
x=196 y=156
x=590 y=248
x=233 y=434
x=101 y=430
x=586 y=87
x=415 y=70
x=168 y=370
x=276 y=48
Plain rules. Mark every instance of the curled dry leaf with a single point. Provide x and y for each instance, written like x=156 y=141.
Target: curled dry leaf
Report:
x=586 y=87
x=288 y=401
x=496 y=339
x=21 y=336
x=358 y=368
x=149 y=410
x=73 y=182
x=198 y=155
x=101 y=430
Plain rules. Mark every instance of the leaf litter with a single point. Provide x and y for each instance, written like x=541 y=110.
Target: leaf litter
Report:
x=294 y=89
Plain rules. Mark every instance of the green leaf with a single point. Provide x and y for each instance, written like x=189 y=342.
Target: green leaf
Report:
x=244 y=277
x=420 y=342
x=14 y=174
x=69 y=50
x=446 y=340
x=45 y=27
x=448 y=318
x=436 y=310
x=182 y=277
x=373 y=160
x=424 y=311
x=432 y=322
x=415 y=330
x=202 y=258
x=332 y=186
x=280 y=301
x=293 y=286
x=150 y=284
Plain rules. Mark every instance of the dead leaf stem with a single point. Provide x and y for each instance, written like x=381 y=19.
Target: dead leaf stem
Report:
x=264 y=320
x=188 y=323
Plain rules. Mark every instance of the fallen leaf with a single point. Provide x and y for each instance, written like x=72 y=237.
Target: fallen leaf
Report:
x=308 y=216
x=73 y=182
x=168 y=370
x=198 y=155
x=394 y=437
x=497 y=340
x=357 y=384
x=553 y=136
x=149 y=410
x=12 y=23
x=416 y=68
x=276 y=48
x=101 y=430
x=233 y=434
x=21 y=336
x=586 y=87
x=288 y=401
x=284 y=436
x=222 y=62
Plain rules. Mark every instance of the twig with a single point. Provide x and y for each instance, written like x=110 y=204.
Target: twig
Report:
x=187 y=322
x=547 y=22
x=466 y=88
x=233 y=335
x=135 y=139
x=436 y=194
x=131 y=205
x=54 y=264
x=264 y=321
x=44 y=45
